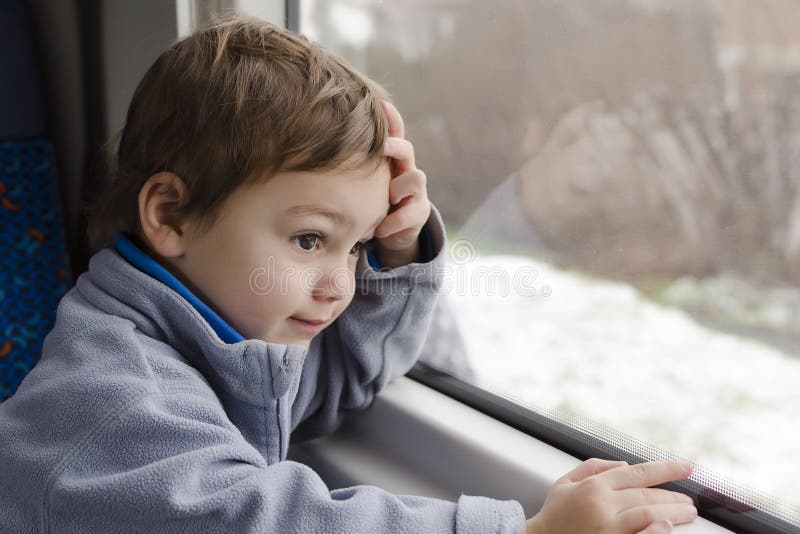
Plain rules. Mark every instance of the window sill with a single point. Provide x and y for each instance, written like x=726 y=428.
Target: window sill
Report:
x=414 y=440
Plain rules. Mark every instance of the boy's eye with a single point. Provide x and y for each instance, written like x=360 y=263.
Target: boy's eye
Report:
x=365 y=245
x=307 y=242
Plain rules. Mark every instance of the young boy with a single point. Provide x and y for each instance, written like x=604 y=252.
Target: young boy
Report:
x=234 y=303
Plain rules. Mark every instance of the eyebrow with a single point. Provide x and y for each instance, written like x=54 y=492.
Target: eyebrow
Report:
x=335 y=216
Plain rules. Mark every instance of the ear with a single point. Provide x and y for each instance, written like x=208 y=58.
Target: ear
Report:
x=159 y=198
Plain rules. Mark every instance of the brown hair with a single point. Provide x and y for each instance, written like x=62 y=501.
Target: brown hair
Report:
x=231 y=105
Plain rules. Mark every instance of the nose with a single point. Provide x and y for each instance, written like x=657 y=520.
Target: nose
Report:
x=337 y=282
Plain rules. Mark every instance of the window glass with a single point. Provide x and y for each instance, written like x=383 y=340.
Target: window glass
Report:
x=621 y=188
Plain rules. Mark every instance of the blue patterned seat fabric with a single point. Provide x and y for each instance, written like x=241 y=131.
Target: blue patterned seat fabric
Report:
x=34 y=268
x=34 y=272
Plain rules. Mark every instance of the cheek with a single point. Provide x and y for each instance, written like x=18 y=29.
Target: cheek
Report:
x=266 y=290
x=279 y=281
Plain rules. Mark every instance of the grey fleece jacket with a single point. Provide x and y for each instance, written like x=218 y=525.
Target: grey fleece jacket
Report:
x=139 y=418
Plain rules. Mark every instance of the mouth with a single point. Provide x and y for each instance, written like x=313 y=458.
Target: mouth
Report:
x=311 y=321
x=312 y=326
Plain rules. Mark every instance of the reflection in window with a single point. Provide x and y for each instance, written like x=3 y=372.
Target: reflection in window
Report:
x=621 y=185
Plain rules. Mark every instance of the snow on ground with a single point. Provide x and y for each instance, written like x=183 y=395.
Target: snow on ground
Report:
x=602 y=350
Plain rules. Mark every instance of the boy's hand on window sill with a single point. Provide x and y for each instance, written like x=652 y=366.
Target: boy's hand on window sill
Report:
x=601 y=496
x=397 y=236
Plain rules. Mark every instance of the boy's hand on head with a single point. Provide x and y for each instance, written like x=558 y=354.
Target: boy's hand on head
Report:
x=398 y=235
x=604 y=497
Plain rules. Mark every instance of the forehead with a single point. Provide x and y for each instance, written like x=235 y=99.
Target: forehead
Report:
x=353 y=198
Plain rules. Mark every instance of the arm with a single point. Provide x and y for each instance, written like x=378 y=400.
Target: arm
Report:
x=173 y=462
x=377 y=338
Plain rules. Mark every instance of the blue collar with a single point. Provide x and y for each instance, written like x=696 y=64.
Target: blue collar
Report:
x=145 y=263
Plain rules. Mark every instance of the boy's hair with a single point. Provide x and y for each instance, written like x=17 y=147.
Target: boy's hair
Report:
x=234 y=104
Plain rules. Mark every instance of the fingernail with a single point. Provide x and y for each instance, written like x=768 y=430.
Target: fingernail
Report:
x=386 y=148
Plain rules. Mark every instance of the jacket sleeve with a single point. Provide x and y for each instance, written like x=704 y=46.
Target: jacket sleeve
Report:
x=377 y=338
x=174 y=463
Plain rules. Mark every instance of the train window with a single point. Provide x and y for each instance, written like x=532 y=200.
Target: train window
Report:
x=621 y=187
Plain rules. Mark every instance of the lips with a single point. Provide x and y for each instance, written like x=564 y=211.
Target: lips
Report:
x=311 y=321
x=309 y=327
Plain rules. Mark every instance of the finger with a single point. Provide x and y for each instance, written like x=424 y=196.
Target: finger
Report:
x=590 y=467
x=402 y=151
x=635 y=519
x=631 y=498
x=407 y=184
x=658 y=527
x=647 y=474
x=411 y=215
x=394 y=119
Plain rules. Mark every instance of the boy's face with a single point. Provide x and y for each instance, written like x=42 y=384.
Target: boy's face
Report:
x=274 y=261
